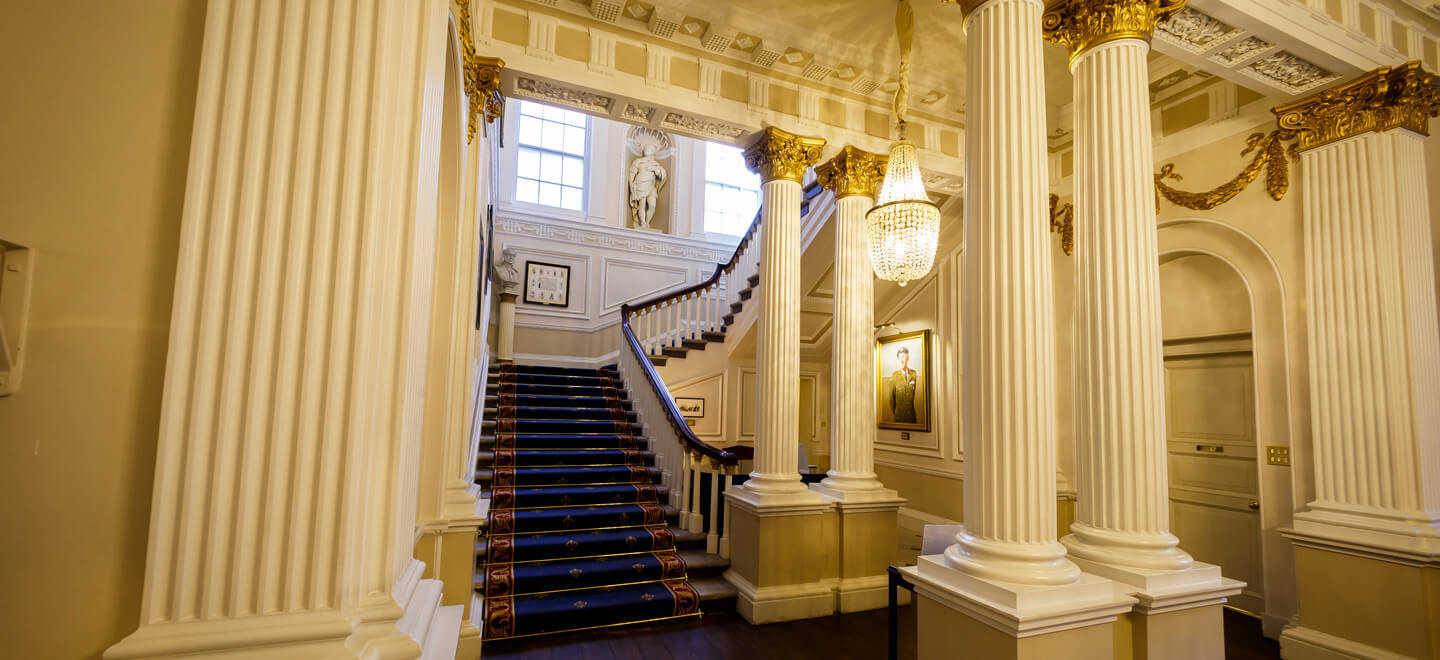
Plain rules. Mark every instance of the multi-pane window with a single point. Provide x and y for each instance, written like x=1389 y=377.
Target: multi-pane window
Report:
x=732 y=192
x=550 y=162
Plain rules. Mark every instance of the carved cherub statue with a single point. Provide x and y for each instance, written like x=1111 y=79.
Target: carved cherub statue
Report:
x=646 y=176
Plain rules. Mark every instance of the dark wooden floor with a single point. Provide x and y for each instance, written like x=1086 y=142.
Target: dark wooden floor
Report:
x=860 y=636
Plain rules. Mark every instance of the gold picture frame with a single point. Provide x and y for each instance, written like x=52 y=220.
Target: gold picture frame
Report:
x=902 y=381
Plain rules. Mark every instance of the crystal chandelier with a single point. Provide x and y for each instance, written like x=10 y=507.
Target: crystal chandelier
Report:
x=904 y=225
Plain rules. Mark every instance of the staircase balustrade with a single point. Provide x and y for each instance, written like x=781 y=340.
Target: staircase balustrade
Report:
x=697 y=312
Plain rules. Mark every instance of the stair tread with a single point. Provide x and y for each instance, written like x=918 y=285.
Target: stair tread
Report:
x=714 y=588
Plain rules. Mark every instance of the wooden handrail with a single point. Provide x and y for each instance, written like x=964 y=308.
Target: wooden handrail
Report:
x=692 y=442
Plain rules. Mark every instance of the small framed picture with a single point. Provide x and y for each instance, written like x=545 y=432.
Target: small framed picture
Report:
x=690 y=406
x=902 y=381
x=547 y=284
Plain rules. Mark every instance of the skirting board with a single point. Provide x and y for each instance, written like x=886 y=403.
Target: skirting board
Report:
x=1300 y=643
x=869 y=593
x=782 y=603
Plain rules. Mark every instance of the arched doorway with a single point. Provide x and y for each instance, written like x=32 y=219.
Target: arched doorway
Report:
x=1210 y=419
x=1230 y=398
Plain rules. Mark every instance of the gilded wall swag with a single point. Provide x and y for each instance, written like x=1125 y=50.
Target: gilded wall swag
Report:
x=1270 y=155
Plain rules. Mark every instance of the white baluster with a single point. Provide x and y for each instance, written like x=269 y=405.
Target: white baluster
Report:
x=712 y=538
x=724 y=546
x=683 y=502
x=696 y=519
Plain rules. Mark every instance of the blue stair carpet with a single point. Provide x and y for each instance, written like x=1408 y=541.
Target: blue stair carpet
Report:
x=577 y=533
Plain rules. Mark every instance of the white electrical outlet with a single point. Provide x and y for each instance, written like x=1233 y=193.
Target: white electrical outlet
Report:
x=17 y=265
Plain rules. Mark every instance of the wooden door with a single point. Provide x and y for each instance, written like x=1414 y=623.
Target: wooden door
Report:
x=1214 y=479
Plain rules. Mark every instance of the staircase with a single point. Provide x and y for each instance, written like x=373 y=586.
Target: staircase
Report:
x=580 y=532
x=671 y=326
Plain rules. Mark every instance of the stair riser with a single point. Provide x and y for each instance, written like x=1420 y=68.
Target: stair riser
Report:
x=565 y=414
x=551 y=379
x=525 y=389
x=579 y=518
x=531 y=458
x=562 y=427
x=553 y=441
x=514 y=580
x=535 y=369
x=520 y=498
x=559 y=402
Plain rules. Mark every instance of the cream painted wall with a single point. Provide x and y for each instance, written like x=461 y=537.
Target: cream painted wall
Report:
x=1202 y=296
x=926 y=468
x=96 y=128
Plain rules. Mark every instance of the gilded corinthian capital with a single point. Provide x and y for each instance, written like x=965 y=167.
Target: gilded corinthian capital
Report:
x=852 y=172
x=1084 y=24
x=781 y=155
x=1405 y=96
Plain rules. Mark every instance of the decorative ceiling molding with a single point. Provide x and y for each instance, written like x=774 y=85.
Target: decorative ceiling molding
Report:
x=701 y=24
x=1290 y=48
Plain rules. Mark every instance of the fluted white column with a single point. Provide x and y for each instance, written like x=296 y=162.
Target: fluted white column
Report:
x=284 y=510
x=781 y=160
x=1008 y=357
x=1374 y=342
x=853 y=176
x=1123 y=512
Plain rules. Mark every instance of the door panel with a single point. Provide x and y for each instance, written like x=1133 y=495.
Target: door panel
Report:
x=1214 y=480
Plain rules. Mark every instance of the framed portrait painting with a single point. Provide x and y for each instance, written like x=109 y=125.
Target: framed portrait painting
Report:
x=547 y=284
x=902 y=381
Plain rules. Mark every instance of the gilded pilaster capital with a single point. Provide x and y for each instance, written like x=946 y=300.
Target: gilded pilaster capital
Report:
x=1405 y=96
x=852 y=172
x=1084 y=24
x=780 y=155
x=482 y=75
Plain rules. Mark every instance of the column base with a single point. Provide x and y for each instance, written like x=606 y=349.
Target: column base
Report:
x=1002 y=620
x=314 y=634
x=1360 y=601
x=868 y=539
x=782 y=555
x=1369 y=532
x=470 y=643
x=1177 y=613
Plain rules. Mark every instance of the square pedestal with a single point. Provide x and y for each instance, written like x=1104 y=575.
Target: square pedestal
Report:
x=868 y=528
x=783 y=557
x=1357 y=606
x=961 y=614
x=1177 y=613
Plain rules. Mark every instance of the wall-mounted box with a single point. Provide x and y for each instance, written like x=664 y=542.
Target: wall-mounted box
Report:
x=17 y=265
